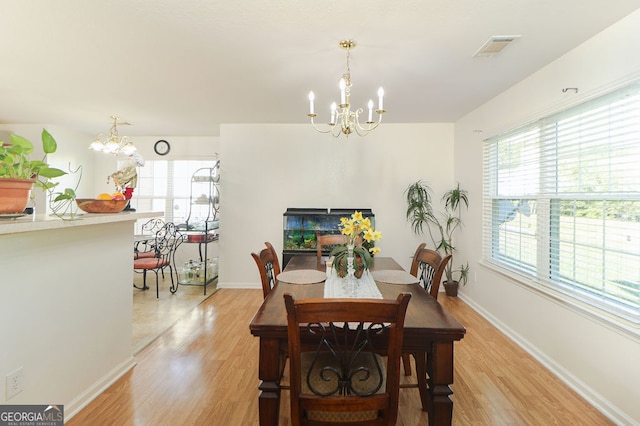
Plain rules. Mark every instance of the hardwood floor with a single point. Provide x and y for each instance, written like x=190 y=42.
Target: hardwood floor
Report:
x=152 y=317
x=203 y=371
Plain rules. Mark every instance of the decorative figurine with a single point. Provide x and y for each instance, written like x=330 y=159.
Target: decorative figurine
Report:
x=126 y=178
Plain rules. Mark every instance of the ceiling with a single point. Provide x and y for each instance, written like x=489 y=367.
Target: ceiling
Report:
x=172 y=67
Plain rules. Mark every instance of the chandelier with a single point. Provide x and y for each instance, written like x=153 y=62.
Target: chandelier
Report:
x=343 y=119
x=113 y=144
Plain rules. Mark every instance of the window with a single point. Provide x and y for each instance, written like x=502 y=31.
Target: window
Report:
x=165 y=185
x=562 y=202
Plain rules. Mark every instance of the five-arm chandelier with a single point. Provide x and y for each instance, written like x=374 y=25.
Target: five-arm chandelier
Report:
x=343 y=119
x=113 y=144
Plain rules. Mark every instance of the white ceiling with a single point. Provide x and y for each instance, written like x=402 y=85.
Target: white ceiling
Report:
x=182 y=67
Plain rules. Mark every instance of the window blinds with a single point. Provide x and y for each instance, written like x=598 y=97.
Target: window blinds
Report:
x=562 y=202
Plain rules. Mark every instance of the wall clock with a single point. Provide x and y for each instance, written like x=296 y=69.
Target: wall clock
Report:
x=162 y=147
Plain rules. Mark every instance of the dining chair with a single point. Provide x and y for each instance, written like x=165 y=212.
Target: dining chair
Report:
x=268 y=266
x=144 y=247
x=336 y=371
x=323 y=240
x=428 y=266
x=165 y=242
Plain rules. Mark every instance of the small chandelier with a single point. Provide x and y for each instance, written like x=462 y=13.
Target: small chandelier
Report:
x=343 y=119
x=113 y=144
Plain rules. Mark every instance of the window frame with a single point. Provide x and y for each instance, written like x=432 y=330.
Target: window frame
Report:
x=173 y=197
x=544 y=274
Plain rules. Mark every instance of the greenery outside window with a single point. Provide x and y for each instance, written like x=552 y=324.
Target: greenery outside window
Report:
x=562 y=202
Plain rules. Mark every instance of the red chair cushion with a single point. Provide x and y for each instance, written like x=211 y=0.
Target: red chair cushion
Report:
x=150 y=263
x=144 y=254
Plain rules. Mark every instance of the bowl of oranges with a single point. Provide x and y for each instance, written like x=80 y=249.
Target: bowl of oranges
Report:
x=103 y=203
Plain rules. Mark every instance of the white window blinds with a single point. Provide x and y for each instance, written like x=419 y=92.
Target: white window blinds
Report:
x=562 y=202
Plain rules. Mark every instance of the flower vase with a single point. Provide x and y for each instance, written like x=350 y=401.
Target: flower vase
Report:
x=350 y=280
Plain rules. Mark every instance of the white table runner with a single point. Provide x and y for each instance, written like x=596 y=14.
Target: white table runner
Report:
x=336 y=287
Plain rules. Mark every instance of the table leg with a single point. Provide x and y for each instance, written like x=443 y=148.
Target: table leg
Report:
x=440 y=369
x=421 y=374
x=269 y=375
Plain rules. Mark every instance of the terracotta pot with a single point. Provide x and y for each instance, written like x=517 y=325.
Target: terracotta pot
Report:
x=14 y=194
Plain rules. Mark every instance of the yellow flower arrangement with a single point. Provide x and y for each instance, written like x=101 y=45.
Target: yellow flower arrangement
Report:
x=356 y=226
x=358 y=231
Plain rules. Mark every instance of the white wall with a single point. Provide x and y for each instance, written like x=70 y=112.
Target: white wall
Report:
x=66 y=310
x=598 y=360
x=267 y=168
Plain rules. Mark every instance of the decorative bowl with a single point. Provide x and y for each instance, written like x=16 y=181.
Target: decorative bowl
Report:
x=91 y=205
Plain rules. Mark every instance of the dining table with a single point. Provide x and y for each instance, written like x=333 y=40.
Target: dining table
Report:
x=429 y=332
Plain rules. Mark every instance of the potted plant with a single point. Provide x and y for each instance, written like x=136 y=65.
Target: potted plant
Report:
x=360 y=238
x=441 y=225
x=19 y=173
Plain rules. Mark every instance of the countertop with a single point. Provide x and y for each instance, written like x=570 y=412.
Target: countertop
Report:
x=41 y=222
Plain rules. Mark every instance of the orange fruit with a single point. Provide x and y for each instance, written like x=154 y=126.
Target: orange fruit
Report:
x=104 y=196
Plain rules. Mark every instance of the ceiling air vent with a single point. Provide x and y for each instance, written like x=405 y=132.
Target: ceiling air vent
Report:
x=495 y=45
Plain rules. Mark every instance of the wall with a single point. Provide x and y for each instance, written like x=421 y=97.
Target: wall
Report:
x=597 y=359
x=65 y=317
x=267 y=168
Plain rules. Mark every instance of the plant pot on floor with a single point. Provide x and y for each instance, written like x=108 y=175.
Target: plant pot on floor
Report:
x=451 y=288
x=14 y=195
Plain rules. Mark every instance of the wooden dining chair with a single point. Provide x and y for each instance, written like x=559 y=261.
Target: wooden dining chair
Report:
x=336 y=371
x=428 y=266
x=165 y=242
x=323 y=240
x=268 y=266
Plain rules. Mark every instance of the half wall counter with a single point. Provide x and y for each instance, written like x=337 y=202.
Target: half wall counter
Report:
x=66 y=305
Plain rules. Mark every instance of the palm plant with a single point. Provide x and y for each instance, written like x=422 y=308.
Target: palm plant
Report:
x=441 y=226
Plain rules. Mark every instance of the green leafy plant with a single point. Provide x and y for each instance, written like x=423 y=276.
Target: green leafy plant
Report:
x=340 y=253
x=15 y=161
x=442 y=225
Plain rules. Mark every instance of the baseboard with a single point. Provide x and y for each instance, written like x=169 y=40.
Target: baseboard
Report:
x=589 y=394
x=82 y=400
x=240 y=285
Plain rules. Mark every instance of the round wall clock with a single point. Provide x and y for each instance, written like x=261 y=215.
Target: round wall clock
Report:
x=162 y=147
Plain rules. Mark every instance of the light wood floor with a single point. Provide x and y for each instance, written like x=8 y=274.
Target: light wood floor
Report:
x=203 y=371
x=153 y=316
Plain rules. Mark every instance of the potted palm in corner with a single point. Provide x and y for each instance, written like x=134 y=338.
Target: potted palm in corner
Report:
x=441 y=226
x=19 y=173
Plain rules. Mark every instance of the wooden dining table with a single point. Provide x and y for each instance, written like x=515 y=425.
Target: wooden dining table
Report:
x=428 y=329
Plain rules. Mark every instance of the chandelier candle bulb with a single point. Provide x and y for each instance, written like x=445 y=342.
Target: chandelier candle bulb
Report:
x=334 y=107
x=380 y=96
x=343 y=96
x=311 y=98
x=370 y=105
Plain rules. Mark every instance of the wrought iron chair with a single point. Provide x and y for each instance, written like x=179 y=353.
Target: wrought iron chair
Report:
x=165 y=242
x=268 y=266
x=144 y=247
x=337 y=373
